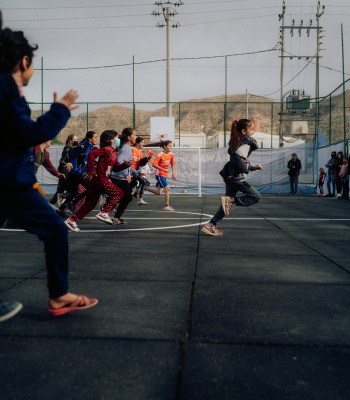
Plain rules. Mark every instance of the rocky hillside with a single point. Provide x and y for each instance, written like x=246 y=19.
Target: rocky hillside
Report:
x=203 y=115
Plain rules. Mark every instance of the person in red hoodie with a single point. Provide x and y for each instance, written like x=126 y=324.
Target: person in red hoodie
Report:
x=100 y=183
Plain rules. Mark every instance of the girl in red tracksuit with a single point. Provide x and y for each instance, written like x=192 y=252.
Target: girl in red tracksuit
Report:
x=99 y=177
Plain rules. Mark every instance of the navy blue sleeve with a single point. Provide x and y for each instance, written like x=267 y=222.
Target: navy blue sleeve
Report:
x=15 y=112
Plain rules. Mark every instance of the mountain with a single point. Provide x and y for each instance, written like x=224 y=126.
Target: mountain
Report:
x=206 y=115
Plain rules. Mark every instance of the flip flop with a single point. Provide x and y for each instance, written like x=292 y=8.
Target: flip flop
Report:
x=80 y=303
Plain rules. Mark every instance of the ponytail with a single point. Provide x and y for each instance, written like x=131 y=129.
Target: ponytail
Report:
x=236 y=132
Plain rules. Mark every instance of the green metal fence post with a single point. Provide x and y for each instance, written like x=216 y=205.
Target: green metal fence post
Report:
x=133 y=94
x=225 y=111
x=42 y=85
x=344 y=97
x=330 y=119
x=179 y=124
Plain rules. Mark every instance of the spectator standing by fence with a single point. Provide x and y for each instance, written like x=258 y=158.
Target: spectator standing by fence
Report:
x=294 y=167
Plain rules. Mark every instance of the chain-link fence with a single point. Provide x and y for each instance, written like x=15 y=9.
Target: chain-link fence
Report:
x=207 y=124
x=335 y=114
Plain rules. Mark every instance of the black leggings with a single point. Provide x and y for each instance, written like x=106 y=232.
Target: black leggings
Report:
x=126 y=187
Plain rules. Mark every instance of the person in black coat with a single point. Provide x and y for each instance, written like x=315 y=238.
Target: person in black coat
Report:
x=294 y=167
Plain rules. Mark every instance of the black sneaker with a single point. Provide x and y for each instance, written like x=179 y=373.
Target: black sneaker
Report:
x=118 y=221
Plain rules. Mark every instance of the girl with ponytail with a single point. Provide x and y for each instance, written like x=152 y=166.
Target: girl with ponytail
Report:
x=241 y=145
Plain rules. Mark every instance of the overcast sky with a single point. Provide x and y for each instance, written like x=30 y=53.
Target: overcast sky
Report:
x=75 y=36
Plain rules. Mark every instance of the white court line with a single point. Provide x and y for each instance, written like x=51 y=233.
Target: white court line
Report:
x=287 y=219
x=187 y=218
x=200 y=215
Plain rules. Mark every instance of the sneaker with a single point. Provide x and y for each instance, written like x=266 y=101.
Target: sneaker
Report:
x=60 y=199
x=226 y=204
x=72 y=225
x=142 y=202
x=102 y=216
x=212 y=230
x=9 y=309
x=169 y=208
x=118 y=221
x=134 y=195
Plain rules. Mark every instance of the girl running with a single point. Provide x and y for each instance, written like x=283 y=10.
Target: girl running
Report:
x=241 y=145
x=100 y=182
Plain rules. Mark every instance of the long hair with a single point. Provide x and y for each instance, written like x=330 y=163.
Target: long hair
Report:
x=236 y=132
x=107 y=138
x=13 y=47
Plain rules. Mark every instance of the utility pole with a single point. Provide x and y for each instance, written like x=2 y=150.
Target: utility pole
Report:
x=299 y=28
x=281 y=18
x=317 y=89
x=167 y=9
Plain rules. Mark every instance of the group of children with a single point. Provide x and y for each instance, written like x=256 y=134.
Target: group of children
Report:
x=111 y=172
x=97 y=171
x=338 y=177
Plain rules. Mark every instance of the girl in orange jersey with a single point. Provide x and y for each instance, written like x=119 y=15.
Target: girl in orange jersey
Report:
x=161 y=163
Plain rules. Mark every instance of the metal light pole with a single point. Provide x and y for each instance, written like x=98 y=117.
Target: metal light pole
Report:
x=168 y=12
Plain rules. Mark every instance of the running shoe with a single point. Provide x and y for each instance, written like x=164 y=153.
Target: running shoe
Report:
x=142 y=202
x=226 y=204
x=118 y=221
x=212 y=230
x=9 y=309
x=60 y=199
x=72 y=225
x=169 y=208
x=102 y=216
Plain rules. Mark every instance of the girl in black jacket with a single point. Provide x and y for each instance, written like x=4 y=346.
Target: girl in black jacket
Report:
x=241 y=145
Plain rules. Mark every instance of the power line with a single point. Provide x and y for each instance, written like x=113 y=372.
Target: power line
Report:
x=160 y=60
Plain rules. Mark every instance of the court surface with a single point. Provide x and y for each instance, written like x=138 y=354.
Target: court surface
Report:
x=259 y=313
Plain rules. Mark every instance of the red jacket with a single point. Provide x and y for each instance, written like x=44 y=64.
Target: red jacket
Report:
x=107 y=160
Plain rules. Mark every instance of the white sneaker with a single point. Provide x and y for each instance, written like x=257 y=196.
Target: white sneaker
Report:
x=72 y=225
x=169 y=208
x=212 y=230
x=142 y=202
x=226 y=204
x=102 y=216
x=60 y=199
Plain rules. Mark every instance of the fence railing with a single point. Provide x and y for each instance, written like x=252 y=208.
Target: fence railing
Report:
x=207 y=124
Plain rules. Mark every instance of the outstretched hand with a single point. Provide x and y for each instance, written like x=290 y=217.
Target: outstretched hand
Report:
x=68 y=99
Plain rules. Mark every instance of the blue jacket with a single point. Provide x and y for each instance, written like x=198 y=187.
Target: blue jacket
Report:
x=78 y=156
x=19 y=133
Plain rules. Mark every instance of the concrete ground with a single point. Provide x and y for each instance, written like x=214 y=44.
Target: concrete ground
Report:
x=259 y=313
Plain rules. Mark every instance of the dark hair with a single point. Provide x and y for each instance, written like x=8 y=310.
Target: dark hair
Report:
x=89 y=135
x=127 y=132
x=139 y=139
x=236 y=132
x=107 y=137
x=13 y=47
x=165 y=143
x=70 y=138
